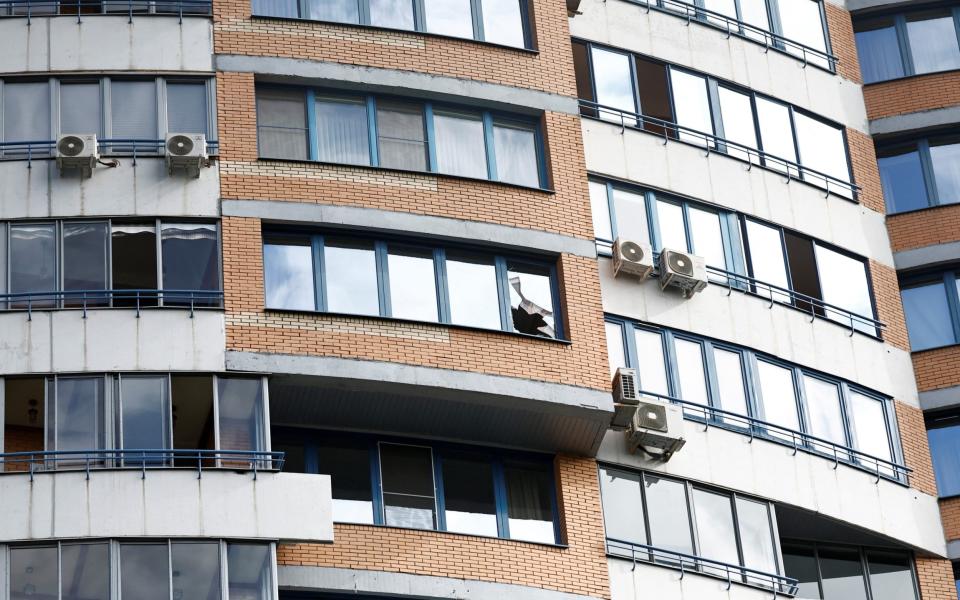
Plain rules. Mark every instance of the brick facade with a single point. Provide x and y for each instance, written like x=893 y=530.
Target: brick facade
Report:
x=866 y=174
x=937 y=368
x=842 y=42
x=916 y=451
x=935 y=577
x=886 y=292
x=950 y=515
x=917 y=229
x=912 y=94
x=579 y=568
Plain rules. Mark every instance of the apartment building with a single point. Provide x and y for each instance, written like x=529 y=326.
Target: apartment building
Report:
x=474 y=299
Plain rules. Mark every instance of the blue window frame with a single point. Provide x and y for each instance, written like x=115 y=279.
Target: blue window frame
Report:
x=895 y=45
x=501 y=22
x=403 y=134
x=692 y=107
x=407 y=279
x=920 y=173
x=834 y=416
x=943 y=433
x=931 y=304
x=434 y=486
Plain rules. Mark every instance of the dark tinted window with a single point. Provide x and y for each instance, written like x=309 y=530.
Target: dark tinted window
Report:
x=348 y=466
x=468 y=495
x=134 y=261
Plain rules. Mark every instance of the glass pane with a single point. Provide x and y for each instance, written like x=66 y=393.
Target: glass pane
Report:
x=187 y=108
x=800 y=563
x=716 y=534
x=821 y=147
x=870 y=426
x=397 y=14
x=282 y=124
x=503 y=22
x=611 y=76
x=707 y=237
x=724 y=7
x=902 y=178
x=350 y=276
x=144 y=416
x=472 y=285
x=339 y=11
x=516 y=152
x=3 y=261
x=600 y=208
x=196 y=570
x=879 y=50
x=615 y=348
x=767 y=261
x=408 y=490
x=80 y=108
x=449 y=17
x=672 y=230
x=134 y=110
x=802 y=22
x=288 y=274
x=276 y=8
x=77 y=414
x=240 y=400
x=33 y=573
x=691 y=105
x=33 y=263
x=342 y=131
x=823 y=410
x=891 y=576
x=946 y=170
x=249 y=572
x=348 y=466
x=413 y=284
x=651 y=365
x=468 y=496
x=461 y=149
x=756 y=535
x=668 y=515
x=842 y=574
x=843 y=283
x=622 y=505
x=776 y=135
x=631 y=212
x=134 y=256
x=654 y=93
x=804 y=273
x=693 y=379
x=730 y=382
x=144 y=572
x=84 y=572
x=531 y=299
x=738 y=126
x=530 y=502
x=754 y=12
x=779 y=396
x=933 y=41
x=943 y=434
x=85 y=260
x=191 y=260
x=26 y=112
x=401 y=139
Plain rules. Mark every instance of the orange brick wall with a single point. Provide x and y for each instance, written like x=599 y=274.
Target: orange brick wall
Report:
x=950 y=515
x=916 y=451
x=935 y=577
x=842 y=42
x=937 y=368
x=886 y=291
x=913 y=94
x=580 y=568
x=866 y=174
x=927 y=227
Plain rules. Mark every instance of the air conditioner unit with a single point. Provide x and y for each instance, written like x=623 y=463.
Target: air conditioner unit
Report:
x=77 y=151
x=682 y=270
x=625 y=399
x=187 y=151
x=657 y=428
x=632 y=258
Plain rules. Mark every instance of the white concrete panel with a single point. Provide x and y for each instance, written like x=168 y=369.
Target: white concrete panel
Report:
x=166 y=503
x=700 y=47
x=688 y=171
x=145 y=189
x=772 y=471
x=112 y=340
x=645 y=581
x=106 y=43
x=776 y=330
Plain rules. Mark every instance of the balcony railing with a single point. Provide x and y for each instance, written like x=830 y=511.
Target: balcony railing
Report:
x=711 y=143
x=732 y=26
x=688 y=563
x=98 y=299
x=143 y=460
x=85 y=8
x=112 y=147
x=798 y=440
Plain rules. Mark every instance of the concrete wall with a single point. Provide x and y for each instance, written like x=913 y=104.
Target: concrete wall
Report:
x=648 y=581
x=111 y=340
x=106 y=43
x=145 y=190
x=166 y=503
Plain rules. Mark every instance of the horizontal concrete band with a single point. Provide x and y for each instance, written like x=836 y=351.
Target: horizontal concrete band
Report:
x=927 y=119
x=942 y=398
x=403 y=585
x=517 y=238
x=927 y=256
x=397 y=82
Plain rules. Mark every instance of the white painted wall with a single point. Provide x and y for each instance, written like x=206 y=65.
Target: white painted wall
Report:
x=111 y=340
x=686 y=170
x=647 y=582
x=166 y=503
x=771 y=471
x=106 y=43
x=669 y=38
x=145 y=190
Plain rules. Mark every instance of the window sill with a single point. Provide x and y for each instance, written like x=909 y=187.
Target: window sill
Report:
x=427 y=34
x=443 y=532
x=544 y=190
x=399 y=321
x=909 y=77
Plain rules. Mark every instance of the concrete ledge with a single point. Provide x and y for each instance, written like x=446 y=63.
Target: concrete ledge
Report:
x=444 y=228
x=942 y=398
x=927 y=256
x=927 y=119
x=407 y=83
x=402 y=585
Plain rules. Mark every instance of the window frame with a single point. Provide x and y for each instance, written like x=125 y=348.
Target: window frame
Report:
x=950 y=279
x=899 y=18
x=926 y=164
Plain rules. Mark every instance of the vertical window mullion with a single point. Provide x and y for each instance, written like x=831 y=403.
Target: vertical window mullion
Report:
x=845 y=413
x=443 y=293
x=431 y=136
x=419 y=19
x=476 y=10
x=383 y=278
x=716 y=117
x=503 y=291
x=611 y=211
x=319 y=273
x=438 y=493
x=363 y=10
x=953 y=302
x=710 y=372
x=731 y=243
x=376 y=482
x=656 y=240
x=926 y=169
x=500 y=498
x=796 y=142
x=900 y=24
x=372 y=128
x=314 y=143
x=627 y=331
x=488 y=143
x=673 y=374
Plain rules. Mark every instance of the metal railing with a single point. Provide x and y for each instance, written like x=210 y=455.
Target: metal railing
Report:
x=143 y=460
x=732 y=26
x=83 y=8
x=688 y=563
x=711 y=143
x=798 y=440
x=98 y=299
x=31 y=150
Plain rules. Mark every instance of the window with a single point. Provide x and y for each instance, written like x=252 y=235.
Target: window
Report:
x=75 y=414
x=943 y=433
x=144 y=417
x=409 y=281
x=779 y=399
x=249 y=572
x=145 y=571
x=668 y=515
x=707 y=112
x=930 y=304
x=241 y=414
x=835 y=572
x=33 y=262
x=26 y=110
x=187 y=107
x=916 y=174
x=441 y=487
x=33 y=571
x=803 y=21
x=190 y=258
x=84 y=571
x=913 y=43
x=80 y=108
x=399 y=134
x=501 y=22
x=86 y=261
x=130 y=120
x=196 y=569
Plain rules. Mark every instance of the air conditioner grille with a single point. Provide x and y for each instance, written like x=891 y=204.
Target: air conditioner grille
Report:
x=180 y=145
x=680 y=263
x=652 y=416
x=70 y=145
x=628 y=386
x=631 y=251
